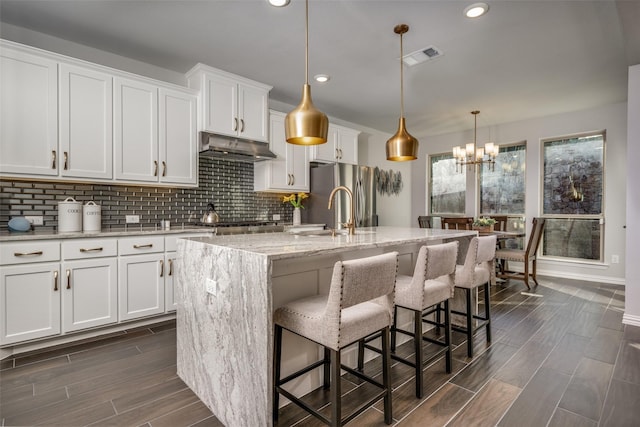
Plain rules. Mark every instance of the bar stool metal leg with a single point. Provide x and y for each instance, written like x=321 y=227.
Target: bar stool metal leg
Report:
x=277 y=356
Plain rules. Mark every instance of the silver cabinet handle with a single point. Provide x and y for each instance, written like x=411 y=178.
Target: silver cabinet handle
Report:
x=91 y=250
x=164 y=168
x=66 y=160
x=148 y=245
x=293 y=179
x=55 y=280
x=340 y=150
x=337 y=156
x=36 y=253
x=161 y=268
x=170 y=267
x=53 y=159
x=68 y=279
x=155 y=168
x=241 y=125
x=235 y=126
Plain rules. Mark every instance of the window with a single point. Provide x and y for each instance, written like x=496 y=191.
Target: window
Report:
x=573 y=179
x=502 y=189
x=447 y=186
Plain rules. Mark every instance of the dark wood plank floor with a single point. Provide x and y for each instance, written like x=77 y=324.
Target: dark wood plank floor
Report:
x=560 y=357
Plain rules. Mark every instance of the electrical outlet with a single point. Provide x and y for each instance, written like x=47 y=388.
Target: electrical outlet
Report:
x=211 y=287
x=276 y=217
x=132 y=219
x=615 y=259
x=35 y=220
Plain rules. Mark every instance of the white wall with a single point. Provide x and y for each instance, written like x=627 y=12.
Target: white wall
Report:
x=632 y=289
x=613 y=119
x=393 y=210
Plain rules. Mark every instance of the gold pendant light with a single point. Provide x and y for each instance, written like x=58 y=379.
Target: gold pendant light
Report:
x=402 y=146
x=306 y=125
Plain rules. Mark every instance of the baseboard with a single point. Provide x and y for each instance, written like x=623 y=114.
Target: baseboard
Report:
x=628 y=319
x=572 y=275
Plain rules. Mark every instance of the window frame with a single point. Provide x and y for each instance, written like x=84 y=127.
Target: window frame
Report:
x=429 y=207
x=599 y=216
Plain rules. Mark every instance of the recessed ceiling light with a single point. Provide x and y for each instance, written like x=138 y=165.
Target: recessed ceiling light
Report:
x=321 y=78
x=475 y=10
x=279 y=3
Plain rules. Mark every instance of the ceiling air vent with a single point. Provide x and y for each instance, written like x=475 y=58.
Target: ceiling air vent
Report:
x=422 y=55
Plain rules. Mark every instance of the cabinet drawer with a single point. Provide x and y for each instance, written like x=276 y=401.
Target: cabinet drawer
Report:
x=26 y=252
x=89 y=248
x=140 y=245
x=171 y=242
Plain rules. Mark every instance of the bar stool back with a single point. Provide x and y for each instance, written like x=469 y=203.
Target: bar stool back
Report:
x=359 y=303
x=478 y=270
x=425 y=293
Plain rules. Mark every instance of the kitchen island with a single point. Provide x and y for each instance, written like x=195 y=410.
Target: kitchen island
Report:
x=227 y=290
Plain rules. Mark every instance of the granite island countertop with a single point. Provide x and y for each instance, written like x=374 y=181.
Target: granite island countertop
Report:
x=277 y=246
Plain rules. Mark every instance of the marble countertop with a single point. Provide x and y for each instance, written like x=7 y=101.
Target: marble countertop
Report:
x=294 y=245
x=9 y=236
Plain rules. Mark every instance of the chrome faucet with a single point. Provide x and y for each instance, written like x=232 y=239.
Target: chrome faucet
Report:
x=351 y=225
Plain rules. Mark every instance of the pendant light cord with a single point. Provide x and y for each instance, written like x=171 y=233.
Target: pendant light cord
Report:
x=401 y=80
x=306 y=43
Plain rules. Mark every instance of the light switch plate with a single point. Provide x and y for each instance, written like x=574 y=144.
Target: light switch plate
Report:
x=276 y=217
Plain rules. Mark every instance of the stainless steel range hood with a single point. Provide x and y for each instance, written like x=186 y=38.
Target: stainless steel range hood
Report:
x=234 y=149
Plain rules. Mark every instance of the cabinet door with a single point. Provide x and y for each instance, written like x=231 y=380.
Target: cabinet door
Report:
x=221 y=105
x=170 y=300
x=328 y=151
x=253 y=112
x=86 y=123
x=298 y=161
x=177 y=137
x=89 y=293
x=280 y=176
x=28 y=114
x=140 y=286
x=30 y=302
x=136 y=130
x=348 y=146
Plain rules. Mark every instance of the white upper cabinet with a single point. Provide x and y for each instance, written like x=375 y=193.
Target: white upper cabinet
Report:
x=28 y=113
x=177 y=137
x=136 y=130
x=231 y=105
x=341 y=146
x=86 y=123
x=290 y=171
x=66 y=119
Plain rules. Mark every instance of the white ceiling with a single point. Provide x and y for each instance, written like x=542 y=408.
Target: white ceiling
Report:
x=523 y=59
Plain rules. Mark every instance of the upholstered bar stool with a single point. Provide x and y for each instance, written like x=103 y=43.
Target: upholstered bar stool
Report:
x=427 y=292
x=359 y=303
x=478 y=270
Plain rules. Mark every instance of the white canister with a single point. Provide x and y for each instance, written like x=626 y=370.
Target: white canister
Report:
x=69 y=216
x=91 y=217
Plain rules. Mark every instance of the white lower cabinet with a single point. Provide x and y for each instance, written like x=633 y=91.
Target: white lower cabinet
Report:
x=170 y=300
x=89 y=293
x=141 y=285
x=30 y=302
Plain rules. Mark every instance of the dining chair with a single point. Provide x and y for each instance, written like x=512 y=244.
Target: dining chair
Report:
x=478 y=270
x=359 y=303
x=526 y=256
x=424 y=221
x=457 y=223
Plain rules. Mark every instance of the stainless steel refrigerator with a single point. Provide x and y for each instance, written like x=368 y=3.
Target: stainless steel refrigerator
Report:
x=359 y=179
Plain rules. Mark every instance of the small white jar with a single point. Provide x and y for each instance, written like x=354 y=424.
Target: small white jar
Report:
x=69 y=216
x=91 y=217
